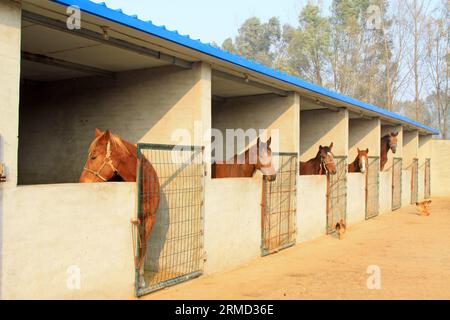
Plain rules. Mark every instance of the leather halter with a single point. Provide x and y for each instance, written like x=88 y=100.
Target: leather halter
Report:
x=323 y=165
x=106 y=161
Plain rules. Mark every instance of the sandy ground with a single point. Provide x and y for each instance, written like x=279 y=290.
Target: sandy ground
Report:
x=412 y=252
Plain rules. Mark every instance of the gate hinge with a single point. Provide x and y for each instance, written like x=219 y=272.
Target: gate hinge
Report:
x=2 y=173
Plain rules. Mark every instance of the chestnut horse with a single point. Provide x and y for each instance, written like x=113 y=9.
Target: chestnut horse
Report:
x=234 y=169
x=388 y=142
x=112 y=159
x=361 y=162
x=323 y=163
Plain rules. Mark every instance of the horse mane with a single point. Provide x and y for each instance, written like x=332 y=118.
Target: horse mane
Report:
x=115 y=140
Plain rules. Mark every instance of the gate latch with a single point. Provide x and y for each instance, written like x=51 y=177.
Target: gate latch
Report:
x=2 y=173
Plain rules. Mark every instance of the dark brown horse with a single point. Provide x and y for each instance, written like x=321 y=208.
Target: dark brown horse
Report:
x=243 y=166
x=111 y=159
x=388 y=142
x=323 y=163
x=361 y=162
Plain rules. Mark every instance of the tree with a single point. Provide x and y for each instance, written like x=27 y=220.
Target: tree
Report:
x=308 y=45
x=437 y=61
x=256 y=40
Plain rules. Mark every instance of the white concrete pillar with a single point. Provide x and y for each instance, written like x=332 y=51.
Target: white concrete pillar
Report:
x=410 y=147
x=424 y=153
x=10 y=35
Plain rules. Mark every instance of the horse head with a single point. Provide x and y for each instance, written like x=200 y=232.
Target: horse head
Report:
x=392 y=140
x=105 y=159
x=363 y=160
x=327 y=158
x=264 y=160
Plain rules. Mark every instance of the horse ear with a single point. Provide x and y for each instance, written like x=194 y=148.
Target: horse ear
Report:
x=258 y=141
x=98 y=133
x=107 y=135
x=331 y=146
x=358 y=150
x=320 y=147
x=367 y=150
x=395 y=134
x=269 y=141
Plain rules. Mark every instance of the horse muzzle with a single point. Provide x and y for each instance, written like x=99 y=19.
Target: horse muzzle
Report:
x=270 y=178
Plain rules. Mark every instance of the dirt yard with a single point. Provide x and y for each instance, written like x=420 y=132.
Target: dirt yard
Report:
x=412 y=252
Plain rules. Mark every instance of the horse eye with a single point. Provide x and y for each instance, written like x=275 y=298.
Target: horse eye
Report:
x=93 y=157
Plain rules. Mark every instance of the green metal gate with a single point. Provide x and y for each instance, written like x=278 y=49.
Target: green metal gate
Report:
x=337 y=194
x=372 y=188
x=397 y=184
x=415 y=181
x=427 y=178
x=175 y=247
x=278 y=214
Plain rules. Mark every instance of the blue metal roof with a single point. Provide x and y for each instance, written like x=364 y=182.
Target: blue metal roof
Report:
x=132 y=21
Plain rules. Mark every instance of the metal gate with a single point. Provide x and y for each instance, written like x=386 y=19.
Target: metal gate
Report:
x=397 y=184
x=337 y=194
x=427 y=178
x=415 y=181
x=372 y=188
x=278 y=206
x=175 y=245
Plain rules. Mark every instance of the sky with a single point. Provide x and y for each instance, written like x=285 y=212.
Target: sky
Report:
x=215 y=20
x=210 y=20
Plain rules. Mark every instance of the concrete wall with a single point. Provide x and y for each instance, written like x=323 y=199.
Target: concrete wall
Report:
x=363 y=134
x=311 y=207
x=10 y=35
x=440 y=169
x=406 y=187
x=233 y=206
x=410 y=147
x=321 y=127
x=384 y=130
x=267 y=112
x=140 y=106
x=385 y=192
x=54 y=227
x=356 y=198
x=232 y=222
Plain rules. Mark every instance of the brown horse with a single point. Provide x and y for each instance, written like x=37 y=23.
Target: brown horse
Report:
x=388 y=142
x=361 y=162
x=323 y=163
x=234 y=169
x=112 y=159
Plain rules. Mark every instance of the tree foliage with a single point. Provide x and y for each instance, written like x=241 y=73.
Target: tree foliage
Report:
x=401 y=64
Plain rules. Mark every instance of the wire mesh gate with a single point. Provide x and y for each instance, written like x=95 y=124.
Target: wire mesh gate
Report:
x=337 y=194
x=175 y=245
x=278 y=208
x=427 y=178
x=372 y=188
x=396 y=183
x=415 y=181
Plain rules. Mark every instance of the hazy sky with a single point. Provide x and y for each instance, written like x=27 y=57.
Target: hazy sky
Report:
x=210 y=20
x=215 y=20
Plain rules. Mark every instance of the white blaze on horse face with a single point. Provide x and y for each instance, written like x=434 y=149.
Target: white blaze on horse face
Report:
x=363 y=164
